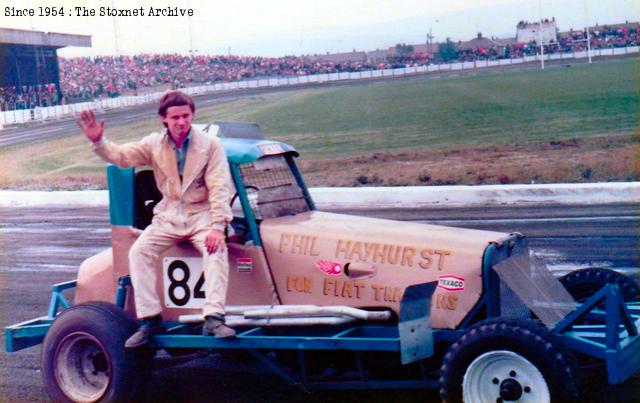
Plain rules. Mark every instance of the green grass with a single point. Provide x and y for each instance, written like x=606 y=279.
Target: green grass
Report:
x=488 y=108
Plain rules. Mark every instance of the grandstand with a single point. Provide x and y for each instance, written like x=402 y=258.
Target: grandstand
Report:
x=29 y=65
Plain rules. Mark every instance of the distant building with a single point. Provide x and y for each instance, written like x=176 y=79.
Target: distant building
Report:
x=530 y=31
x=427 y=48
x=341 y=57
x=382 y=55
x=506 y=41
x=480 y=42
x=378 y=56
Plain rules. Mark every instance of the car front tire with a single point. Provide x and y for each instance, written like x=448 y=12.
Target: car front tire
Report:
x=84 y=359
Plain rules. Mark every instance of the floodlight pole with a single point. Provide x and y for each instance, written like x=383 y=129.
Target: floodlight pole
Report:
x=541 y=47
x=430 y=39
x=541 y=37
x=586 y=13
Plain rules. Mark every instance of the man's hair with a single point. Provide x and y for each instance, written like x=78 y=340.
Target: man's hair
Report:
x=175 y=98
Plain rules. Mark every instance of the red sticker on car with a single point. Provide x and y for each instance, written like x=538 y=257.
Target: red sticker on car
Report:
x=245 y=264
x=328 y=267
x=451 y=283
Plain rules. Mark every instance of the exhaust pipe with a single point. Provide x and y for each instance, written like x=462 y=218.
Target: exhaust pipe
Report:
x=284 y=311
x=292 y=315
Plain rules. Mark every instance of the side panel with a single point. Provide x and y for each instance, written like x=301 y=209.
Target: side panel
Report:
x=96 y=279
x=329 y=259
x=249 y=279
x=122 y=237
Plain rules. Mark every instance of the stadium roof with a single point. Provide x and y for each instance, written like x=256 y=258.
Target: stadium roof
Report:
x=38 y=38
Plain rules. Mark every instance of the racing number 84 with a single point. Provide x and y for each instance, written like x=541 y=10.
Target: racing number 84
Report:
x=181 y=282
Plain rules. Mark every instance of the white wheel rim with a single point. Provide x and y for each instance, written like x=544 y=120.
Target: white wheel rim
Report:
x=82 y=367
x=499 y=370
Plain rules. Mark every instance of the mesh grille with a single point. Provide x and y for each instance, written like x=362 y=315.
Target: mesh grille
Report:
x=272 y=188
x=279 y=175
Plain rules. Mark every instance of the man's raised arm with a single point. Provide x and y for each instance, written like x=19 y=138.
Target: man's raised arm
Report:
x=125 y=156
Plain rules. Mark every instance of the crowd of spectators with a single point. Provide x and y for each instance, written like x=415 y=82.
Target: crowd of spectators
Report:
x=604 y=37
x=28 y=96
x=85 y=78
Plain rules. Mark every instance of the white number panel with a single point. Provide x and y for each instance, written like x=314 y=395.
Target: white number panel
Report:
x=183 y=282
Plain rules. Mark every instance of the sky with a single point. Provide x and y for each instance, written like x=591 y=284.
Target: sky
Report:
x=286 y=27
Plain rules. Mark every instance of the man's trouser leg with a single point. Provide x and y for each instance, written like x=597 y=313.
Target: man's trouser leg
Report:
x=143 y=264
x=216 y=274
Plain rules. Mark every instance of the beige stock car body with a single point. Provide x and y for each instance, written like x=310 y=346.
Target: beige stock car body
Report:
x=309 y=257
x=371 y=262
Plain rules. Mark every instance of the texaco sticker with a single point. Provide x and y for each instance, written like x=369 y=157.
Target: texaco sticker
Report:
x=244 y=264
x=451 y=283
x=329 y=268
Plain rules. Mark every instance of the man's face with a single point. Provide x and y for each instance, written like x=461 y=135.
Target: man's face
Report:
x=178 y=121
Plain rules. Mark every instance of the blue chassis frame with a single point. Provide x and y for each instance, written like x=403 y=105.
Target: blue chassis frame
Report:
x=613 y=337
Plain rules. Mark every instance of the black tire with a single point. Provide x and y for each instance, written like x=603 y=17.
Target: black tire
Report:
x=525 y=340
x=84 y=359
x=583 y=283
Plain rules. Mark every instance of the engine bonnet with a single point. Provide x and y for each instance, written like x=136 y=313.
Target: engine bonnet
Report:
x=335 y=259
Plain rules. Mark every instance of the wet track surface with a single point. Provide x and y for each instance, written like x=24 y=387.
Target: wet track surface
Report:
x=39 y=247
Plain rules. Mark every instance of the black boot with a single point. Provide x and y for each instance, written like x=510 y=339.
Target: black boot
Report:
x=214 y=326
x=150 y=327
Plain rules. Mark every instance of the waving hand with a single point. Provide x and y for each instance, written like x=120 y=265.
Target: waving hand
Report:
x=92 y=129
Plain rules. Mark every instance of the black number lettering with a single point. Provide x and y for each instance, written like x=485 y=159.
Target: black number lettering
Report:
x=179 y=265
x=197 y=291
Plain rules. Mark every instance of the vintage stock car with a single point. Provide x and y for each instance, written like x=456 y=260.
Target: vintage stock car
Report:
x=470 y=312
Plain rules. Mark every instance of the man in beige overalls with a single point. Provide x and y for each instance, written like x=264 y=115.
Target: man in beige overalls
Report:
x=192 y=173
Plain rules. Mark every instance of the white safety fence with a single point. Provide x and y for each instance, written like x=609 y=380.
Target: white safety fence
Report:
x=391 y=197
x=57 y=112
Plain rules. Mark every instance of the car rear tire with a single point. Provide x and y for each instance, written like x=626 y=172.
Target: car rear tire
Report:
x=84 y=359
x=501 y=360
x=583 y=283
